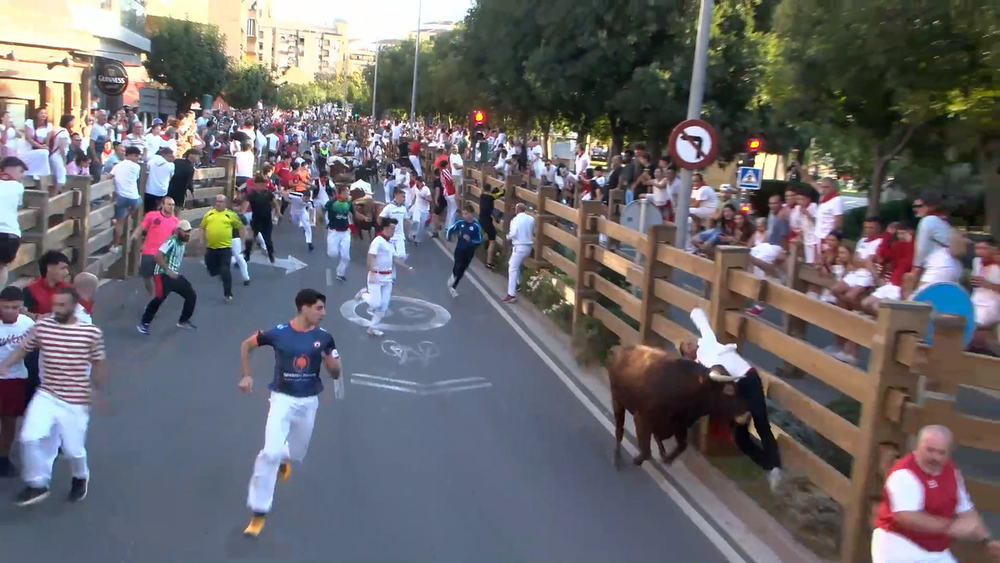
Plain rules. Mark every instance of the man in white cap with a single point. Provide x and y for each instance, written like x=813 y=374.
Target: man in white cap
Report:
x=167 y=279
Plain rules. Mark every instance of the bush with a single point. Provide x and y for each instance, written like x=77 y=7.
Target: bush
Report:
x=888 y=212
x=592 y=341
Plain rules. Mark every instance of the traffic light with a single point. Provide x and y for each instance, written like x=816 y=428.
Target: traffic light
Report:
x=754 y=144
x=477 y=119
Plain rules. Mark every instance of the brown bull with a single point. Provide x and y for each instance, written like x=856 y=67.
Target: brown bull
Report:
x=666 y=396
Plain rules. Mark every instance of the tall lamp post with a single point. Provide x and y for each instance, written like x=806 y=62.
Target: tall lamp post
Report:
x=695 y=100
x=378 y=49
x=416 y=57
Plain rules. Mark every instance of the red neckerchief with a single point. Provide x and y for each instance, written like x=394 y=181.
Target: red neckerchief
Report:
x=6 y=177
x=873 y=237
x=829 y=196
x=341 y=198
x=382 y=234
x=989 y=261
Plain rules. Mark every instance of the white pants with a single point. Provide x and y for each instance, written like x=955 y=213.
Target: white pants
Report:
x=377 y=298
x=57 y=161
x=300 y=219
x=239 y=259
x=888 y=547
x=419 y=222
x=399 y=243
x=48 y=423
x=415 y=161
x=517 y=255
x=286 y=437
x=338 y=243
x=452 y=211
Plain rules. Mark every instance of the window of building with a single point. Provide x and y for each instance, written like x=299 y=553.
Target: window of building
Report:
x=251 y=27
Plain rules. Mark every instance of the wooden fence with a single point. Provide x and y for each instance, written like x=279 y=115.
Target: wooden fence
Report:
x=78 y=221
x=906 y=384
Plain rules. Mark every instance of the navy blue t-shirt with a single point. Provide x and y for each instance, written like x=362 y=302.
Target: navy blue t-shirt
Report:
x=298 y=357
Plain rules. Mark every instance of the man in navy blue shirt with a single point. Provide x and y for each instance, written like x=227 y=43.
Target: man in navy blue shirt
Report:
x=301 y=347
x=470 y=236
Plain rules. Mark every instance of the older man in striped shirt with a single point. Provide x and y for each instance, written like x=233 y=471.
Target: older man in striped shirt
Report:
x=60 y=412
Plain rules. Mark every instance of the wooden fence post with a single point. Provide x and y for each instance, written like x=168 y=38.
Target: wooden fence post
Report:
x=80 y=212
x=229 y=163
x=653 y=269
x=884 y=372
x=509 y=201
x=721 y=301
x=586 y=234
x=545 y=195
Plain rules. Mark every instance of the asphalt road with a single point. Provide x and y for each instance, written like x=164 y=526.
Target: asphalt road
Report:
x=407 y=470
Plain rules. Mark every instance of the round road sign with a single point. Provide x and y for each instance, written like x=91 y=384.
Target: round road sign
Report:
x=692 y=144
x=415 y=315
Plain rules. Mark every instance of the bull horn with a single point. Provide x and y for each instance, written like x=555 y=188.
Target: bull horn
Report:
x=716 y=375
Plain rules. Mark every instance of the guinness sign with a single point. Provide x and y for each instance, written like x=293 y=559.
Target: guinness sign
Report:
x=112 y=79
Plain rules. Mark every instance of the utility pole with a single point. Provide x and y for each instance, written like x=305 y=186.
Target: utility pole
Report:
x=695 y=100
x=416 y=58
x=378 y=49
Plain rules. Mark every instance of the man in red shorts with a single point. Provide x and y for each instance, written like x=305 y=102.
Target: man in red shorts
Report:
x=14 y=327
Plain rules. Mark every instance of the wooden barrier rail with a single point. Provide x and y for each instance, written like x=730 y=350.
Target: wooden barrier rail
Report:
x=78 y=221
x=893 y=407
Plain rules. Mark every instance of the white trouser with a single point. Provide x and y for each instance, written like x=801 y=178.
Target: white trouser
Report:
x=286 y=437
x=300 y=218
x=452 y=211
x=399 y=243
x=338 y=243
x=419 y=221
x=888 y=547
x=239 y=259
x=415 y=161
x=48 y=423
x=377 y=298
x=57 y=161
x=517 y=255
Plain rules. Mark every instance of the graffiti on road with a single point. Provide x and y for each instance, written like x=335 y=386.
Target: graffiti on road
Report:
x=408 y=355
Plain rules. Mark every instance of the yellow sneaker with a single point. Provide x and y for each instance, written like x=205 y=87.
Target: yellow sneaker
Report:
x=284 y=471
x=255 y=526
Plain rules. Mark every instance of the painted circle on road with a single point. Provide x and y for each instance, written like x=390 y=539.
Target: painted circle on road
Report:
x=416 y=315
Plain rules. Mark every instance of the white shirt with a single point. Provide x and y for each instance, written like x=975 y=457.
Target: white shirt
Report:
x=521 y=230
x=272 y=142
x=11 y=336
x=420 y=204
x=982 y=297
x=11 y=198
x=707 y=196
x=397 y=212
x=866 y=249
x=383 y=251
x=82 y=316
x=158 y=179
x=456 y=165
x=244 y=163
x=153 y=143
x=711 y=353
x=582 y=164
x=826 y=216
x=126 y=175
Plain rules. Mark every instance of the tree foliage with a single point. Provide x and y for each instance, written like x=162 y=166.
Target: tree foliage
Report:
x=334 y=88
x=188 y=58
x=249 y=83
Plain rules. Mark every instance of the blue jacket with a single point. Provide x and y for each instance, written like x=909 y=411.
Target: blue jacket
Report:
x=463 y=227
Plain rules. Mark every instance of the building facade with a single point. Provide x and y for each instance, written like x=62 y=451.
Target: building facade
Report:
x=359 y=59
x=311 y=49
x=53 y=51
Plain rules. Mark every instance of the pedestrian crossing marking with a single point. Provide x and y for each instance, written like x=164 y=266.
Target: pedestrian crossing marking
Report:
x=749 y=178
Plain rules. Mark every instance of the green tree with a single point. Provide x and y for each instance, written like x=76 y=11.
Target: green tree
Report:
x=247 y=83
x=867 y=71
x=188 y=58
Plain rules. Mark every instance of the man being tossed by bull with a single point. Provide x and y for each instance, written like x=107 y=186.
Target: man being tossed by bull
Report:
x=709 y=352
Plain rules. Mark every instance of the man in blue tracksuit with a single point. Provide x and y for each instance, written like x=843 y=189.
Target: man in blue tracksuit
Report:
x=470 y=236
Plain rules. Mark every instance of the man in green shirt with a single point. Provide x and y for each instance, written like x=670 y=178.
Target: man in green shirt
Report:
x=338 y=235
x=218 y=225
x=167 y=279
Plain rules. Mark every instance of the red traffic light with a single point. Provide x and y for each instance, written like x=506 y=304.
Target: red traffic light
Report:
x=479 y=117
x=754 y=144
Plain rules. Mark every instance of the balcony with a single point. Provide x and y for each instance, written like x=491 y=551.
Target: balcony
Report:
x=133 y=15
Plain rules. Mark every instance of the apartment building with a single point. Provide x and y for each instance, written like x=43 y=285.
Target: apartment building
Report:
x=53 y=53
x=359 y=58
x=311 y=49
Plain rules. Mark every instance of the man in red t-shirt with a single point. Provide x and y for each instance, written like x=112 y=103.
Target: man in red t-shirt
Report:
x=925 y=506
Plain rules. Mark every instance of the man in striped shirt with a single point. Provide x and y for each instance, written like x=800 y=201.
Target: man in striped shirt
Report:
x=60 y=412
x=167 y=279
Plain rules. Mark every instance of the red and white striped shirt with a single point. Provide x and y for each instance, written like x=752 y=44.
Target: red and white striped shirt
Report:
x=67 y=351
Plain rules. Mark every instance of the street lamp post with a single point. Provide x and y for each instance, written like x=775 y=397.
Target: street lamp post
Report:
x=695 y=100
x=378 y=49
x=416 y=57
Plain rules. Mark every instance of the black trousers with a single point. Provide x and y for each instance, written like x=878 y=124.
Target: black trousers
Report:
x=463 y=257
x=178 y=198
x=151 y=202
x=264 y=229
x=766 y=454
x=219 y=263
x=31 y=363
x=164 y=285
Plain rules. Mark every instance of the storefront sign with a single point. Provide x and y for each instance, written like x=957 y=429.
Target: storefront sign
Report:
x=112 y=79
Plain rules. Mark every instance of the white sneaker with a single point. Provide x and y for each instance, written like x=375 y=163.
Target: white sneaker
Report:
x=360 y=295
x=832 y=350
x=774 y=479
x=453 y=291
x=451 y=280
x=375 y=332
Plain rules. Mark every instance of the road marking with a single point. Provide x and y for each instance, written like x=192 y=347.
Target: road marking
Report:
x=689 y=510
x=290 y=264
x=329 y=277
x=423 y=353
x=415 y=310
x=421 y=389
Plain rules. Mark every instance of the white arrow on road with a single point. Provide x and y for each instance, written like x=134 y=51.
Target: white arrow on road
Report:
x=290 y=264
x=422 y=389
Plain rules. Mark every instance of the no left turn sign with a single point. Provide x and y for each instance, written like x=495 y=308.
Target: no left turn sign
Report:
x=692 y=144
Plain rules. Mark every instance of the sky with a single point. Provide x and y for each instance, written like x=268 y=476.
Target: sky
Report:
x=373 y=20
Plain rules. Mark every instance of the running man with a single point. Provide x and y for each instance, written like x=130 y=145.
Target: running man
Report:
x=420 y=210
x=167 y=279
x=470 y=236
x=60 y=412
x=14 y=384
x=338 y=235
x=218 y=225
x=521 y=234
x=381 y=258
x=396 y=210
x=299 y=204
x=157 y=226
x=11 y=199
x=300 y=347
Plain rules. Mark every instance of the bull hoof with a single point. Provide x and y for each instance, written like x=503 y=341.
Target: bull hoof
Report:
x=637 y=460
